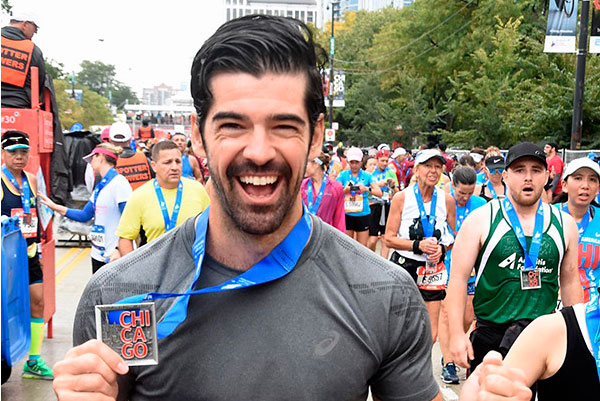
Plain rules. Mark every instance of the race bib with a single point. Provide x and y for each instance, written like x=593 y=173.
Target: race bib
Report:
x=434 y=280
x=97 y=237
x=386 y=196
x=27 y=222
x=353 y=204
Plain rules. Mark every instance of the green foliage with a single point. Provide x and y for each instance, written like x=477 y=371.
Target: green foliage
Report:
x=100 y=78
x=472 y=72
x=6 y=6
x=55 y=69
x=97 y=76
x=92 y=111
x=122 y=94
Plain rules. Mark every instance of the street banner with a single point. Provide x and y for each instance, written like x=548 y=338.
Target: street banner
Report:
x=337 y=86
x=562 y=26
x=595 y=35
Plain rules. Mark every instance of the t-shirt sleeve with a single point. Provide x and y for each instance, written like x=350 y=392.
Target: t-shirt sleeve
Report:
x=131 y=219
x=406 y=371
x=123 y=190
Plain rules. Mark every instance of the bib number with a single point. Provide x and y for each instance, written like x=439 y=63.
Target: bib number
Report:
x=98 y=237
x=530 y=279
x=434 y=280
x=27 y=222
x=353 y=204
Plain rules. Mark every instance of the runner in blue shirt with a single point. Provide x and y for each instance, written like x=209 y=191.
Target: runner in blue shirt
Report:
x=358 y=184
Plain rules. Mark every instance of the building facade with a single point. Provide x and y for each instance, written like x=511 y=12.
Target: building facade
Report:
x=308 y=11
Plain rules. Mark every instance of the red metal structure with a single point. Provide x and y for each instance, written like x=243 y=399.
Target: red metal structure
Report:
x=37 y=123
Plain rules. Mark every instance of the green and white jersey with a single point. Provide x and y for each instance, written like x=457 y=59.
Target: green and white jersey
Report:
x=498 y=294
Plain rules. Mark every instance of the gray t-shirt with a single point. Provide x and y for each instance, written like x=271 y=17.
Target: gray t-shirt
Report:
x=343 y=320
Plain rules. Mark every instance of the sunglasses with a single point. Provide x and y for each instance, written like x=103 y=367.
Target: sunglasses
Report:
x=493 y=171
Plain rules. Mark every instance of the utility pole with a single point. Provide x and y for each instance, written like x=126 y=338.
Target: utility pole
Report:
x=580 y=77
x=331 y=53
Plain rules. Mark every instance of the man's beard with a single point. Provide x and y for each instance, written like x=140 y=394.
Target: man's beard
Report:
x=252 y=219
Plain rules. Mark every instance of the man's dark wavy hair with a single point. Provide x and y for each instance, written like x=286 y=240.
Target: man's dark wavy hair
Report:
x=258 y=44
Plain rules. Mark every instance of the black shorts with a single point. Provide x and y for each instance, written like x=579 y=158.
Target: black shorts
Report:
x=375 y=227
x=358 y=223
x=35 y=270
x=411 y=267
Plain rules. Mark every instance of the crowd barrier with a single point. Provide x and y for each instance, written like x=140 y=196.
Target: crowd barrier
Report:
x=16 y=329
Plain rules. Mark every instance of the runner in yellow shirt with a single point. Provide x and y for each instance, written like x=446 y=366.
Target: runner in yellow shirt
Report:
x=161 y=204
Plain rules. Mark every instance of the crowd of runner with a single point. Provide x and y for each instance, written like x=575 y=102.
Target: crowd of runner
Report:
x=485 y=244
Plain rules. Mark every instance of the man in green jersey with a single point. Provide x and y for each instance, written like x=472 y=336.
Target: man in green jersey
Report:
x=513 y=286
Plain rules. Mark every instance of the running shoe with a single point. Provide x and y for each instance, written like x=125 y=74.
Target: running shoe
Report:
x=37 y=370
x=449 y=375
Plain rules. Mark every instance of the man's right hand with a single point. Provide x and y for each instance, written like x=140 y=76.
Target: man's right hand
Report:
x=89 y=372
x=461 y=350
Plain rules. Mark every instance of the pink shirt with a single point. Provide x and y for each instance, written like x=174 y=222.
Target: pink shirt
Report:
x=331 y=209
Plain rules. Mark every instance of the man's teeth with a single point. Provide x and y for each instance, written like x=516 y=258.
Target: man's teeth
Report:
x=262 y=180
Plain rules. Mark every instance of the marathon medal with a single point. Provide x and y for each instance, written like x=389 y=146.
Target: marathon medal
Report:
x=130 y=330
x=530 y=274
x=530 y=279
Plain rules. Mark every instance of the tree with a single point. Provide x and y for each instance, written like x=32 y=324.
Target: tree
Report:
x=122 y=94
x=55 y=69
x=97 y=76
x=92 y=111
x=471 y=73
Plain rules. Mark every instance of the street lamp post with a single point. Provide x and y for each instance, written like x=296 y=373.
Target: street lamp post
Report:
x=331 y=53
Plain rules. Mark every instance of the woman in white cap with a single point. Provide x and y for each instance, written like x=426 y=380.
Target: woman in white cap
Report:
x=105 y=205
x=581 y=181
x=417 y=230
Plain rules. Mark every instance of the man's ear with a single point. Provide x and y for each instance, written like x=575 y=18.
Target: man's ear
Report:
x=197 y=144
x=316 y=146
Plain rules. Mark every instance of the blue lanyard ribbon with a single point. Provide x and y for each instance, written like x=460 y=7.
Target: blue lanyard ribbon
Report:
x=399 y=170
x=110 y=174
x=492 y=190
x=592 y=319
x=172 y=221
x=460 y=217
x=275 y=265
x=312 y=208
x=25 y=191
x=428 y=222
x=583 y=224
x=536 y=240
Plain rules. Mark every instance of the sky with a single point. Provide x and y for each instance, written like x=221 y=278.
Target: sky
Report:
x=149 y=42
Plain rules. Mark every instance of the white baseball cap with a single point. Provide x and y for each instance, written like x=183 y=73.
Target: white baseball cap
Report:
x=580 y=163
x=120 y=132
x=25 y=13
x=398 y=152
x=428 y=154
x=355 y=154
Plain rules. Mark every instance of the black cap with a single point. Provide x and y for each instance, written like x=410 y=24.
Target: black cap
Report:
x=494 y=162
x=525 y=149
x=13 y=140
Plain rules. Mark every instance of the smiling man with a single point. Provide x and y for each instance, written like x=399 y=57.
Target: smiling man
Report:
x=313 y=316
x=522 y=249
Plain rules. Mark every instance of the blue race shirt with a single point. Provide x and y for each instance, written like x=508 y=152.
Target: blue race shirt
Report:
x=366 y=179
